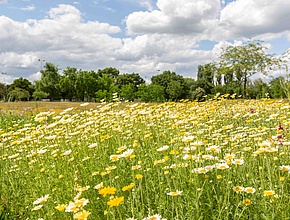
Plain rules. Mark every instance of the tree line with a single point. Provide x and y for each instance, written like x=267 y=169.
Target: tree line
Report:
x=230 y=75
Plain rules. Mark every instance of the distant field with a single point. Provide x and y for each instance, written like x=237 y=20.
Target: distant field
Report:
x=41 y=106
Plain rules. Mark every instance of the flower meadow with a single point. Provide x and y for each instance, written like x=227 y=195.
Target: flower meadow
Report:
x=219 y=159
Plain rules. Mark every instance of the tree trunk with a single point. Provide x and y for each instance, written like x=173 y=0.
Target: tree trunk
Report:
x=245 y=86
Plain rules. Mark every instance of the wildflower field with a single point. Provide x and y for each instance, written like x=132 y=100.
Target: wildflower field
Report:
x=219 y=159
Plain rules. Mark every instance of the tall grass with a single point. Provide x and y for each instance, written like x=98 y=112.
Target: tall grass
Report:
x=222 y=159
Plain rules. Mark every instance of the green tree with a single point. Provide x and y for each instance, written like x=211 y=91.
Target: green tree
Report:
x=125 y=79
x=199 y=94
x=247 y=60
x=151 y=93
x=206 y=72
x=24 y=84
x=165 y=79
x=3 y=91
x=49 y=81
x=38 y=95
x=128 y=92
x=106 y=88
x=68 y=83
x=86 y=85
x=19 y=94
x=174 y=90
x=276 y=90
x=110 y=71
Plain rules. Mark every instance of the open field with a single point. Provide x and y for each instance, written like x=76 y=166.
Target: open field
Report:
x=223 y=159
x=40 y=106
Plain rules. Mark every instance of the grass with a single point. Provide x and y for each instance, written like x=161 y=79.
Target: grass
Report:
x=222 y=159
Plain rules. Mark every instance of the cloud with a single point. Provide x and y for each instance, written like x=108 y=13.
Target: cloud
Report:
x=3 y=1
x=62 y=38
x=249 y=18
x=166 y=38
x=28 y=8
x=147 y=53
x=147 y=4
x=179 y=17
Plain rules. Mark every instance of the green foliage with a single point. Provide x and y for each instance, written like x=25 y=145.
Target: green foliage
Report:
x=247 y=60
x=199 y=94
x=206 y=72
x=19 y=94
x=285 y=85
x=24 y=84
x=125 y=79
x=38 y=95
x=204 y=84
x=151 y=93
x=276 y=89
x=49 y=81
x=110 y=71
x=174 y=90
x=3 y=91
x=128 y=92
x=165 y=79
x=68 y=83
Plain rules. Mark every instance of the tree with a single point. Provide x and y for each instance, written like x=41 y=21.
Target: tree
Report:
x=277 y=90
x=206 y=72
x=86 y=85
x=125 y=79
x=199 y=94
x=19 y=94
x=110 y=71
x=174 y=90
x=165 y=79
x=24 y=84
x=128 y=92
x=68 y=83
x=247 y=60
x=151 y=93
x=106 y=88
x=3 y=91
x=38 y=95
x=189 y=87
x=49 y=81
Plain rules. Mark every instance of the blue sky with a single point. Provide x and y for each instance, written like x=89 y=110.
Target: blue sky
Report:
x=134 y=36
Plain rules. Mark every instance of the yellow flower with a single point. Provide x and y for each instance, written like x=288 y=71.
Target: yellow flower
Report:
x=219 y=176
x=139 y=176
x=136 y=167
x=41 y=200
x=83 y=215
x=107 y=191
x=81 y=202
x=61 y=176
x=125 y=188
x=222 y=166
x=238 y=189
x=282 y=178
x=250 y=190
x=116 y=201
x=285 y=168
x=246 y=202
x=269 y=192
x=114 y=157
x=61 y=207
x=176 y=193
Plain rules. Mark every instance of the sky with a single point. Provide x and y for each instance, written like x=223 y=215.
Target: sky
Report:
x=134 y=36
